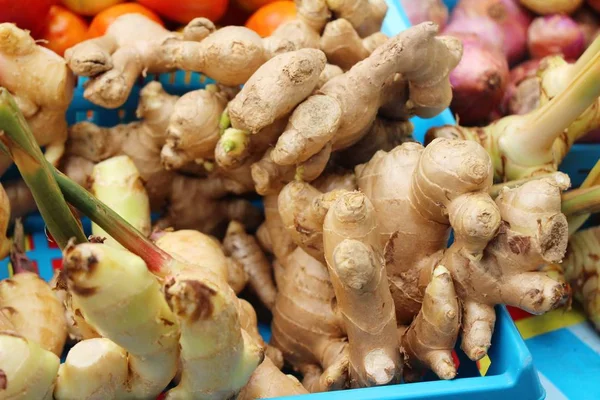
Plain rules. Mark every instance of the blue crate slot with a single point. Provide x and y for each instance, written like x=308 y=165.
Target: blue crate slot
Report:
x=511 y=373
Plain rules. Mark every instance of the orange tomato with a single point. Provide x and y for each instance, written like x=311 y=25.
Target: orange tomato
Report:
x=64 y=30
x=101 y=21
x=183 y=11
x=267 y=18
x=253 y=5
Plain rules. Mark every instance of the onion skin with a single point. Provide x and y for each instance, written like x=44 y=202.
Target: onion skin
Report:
x=426 y=10
x=555 y=34
x=527 y=69
x=546 y=7
x=510 y=20
x=478 y=82
x=588 y=22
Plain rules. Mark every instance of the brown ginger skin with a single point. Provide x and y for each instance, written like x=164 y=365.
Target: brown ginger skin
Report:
x=244 y=248
x=336 y=114
x=411 y=188
x=142 y=142
x=581 y=269
x=268 y=381
x=305 y=327
x=344 y=47
x=275 y=89
x=229 y=55
x=357 y=270
x=533 y=232
x=42 y=86
x=193 y=130
x=429 y=340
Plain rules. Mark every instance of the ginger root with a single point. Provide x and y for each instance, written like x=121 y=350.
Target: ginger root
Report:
x=42 y=86
x=581 y=270
x=344 y=109
x=244 y=248
x=117 y=183
x=20 y=360
x=229 y=55
x=142 y=142
x=357 y=270
x=102 y=278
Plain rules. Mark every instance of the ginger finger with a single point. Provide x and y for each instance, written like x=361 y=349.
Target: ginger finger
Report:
x=244 y=248
x=229 y=55
x=345 y=120
x=275 y=89
x=357 y=270
x=268 y=382
x=342 y=45
x=27 y=303
x=27 y=370
x=366 y=16
x=117 y=183
x=193 y=130
x=430 y=338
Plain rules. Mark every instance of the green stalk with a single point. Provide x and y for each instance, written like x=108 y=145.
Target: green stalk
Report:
x=158 y=261
x=581 y=201
x=20 y=144
x=592 y=179
x=586 y=57
x=545 y=124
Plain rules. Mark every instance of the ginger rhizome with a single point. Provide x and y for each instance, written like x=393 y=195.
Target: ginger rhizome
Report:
x=117 y=183
x=20 y=360
x=535 y=143
x=244 y=248
x=581 y=270
x=134 y=44
x=356 y=267
x=121 y=299
x=42 y=86
x=28 y=305
x=142 y=142
x=344 y=108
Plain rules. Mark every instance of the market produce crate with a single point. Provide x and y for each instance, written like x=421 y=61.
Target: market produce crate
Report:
x=508 y=372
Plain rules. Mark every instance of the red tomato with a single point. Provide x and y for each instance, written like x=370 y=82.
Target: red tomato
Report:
x=26 y=14
x=183 y=11
x=267 y=18
x=253 y=5
x=108 y=16
x=64 y=30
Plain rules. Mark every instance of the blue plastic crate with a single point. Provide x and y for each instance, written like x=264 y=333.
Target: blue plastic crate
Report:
x=511 y=373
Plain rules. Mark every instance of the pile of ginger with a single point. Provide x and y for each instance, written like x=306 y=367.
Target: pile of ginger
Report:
x=348 y=259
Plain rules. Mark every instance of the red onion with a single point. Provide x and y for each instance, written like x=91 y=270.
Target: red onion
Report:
x=546 y=7
x=511 y=19
x=555 y=34
x=479 y=81
x=521 y=72
x=588 y=22
x=426 y=10
x=595 y=4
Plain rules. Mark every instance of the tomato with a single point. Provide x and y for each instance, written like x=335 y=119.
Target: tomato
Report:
x=253 y=5
x=89 y=7
x=108 y=16
x=183 y=11
x=65 y=29
x=30 y=14
x=267 y=18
